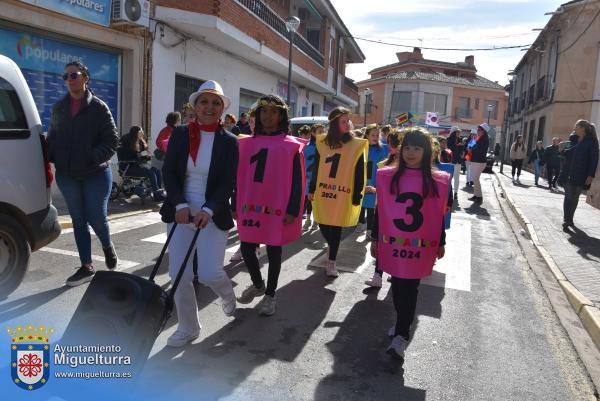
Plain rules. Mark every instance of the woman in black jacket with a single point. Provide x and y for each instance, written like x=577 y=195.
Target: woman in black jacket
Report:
x=479 y=159
x=82 y=138
x=199 y=176
x=580 y=168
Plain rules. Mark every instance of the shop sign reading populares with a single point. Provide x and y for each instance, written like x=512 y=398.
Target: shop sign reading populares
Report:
x=96 y=11
x=42 y=60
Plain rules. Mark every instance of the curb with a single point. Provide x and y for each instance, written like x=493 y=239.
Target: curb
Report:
x=66 y=222
x=583 y=307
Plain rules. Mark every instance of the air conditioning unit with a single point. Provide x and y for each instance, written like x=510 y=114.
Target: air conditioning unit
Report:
x=135 y=12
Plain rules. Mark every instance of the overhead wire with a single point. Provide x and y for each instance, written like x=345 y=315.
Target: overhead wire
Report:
x=439 y=48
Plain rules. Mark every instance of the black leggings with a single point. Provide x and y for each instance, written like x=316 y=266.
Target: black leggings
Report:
x=370 y=217
x=517 y=164
x=307 y=206
x=404 y=291
x=333 y=236
x=274 y=255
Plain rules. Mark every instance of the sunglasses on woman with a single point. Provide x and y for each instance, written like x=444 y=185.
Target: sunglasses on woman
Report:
x=71 y=76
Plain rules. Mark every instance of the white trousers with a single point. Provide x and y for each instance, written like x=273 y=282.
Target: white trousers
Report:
x=210 y=248
x=469 y=175
x=457 y=168
x=476 y=170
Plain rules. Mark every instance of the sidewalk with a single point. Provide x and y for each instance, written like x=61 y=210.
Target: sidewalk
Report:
x=574 y=256
x=116 y=209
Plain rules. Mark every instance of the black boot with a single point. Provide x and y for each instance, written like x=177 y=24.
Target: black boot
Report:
x=158 y=196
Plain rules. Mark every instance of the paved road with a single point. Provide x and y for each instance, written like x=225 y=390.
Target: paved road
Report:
x=484 y=329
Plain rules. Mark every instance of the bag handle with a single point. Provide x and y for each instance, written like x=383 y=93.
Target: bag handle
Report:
x=183 y=265
x=162 y=253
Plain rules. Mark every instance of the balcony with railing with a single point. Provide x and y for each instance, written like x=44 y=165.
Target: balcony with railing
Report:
x=272 y=19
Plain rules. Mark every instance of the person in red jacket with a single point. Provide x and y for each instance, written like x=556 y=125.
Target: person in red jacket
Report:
x=173 y=120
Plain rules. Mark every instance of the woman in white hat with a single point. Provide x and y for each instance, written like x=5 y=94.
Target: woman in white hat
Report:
x=199 y=176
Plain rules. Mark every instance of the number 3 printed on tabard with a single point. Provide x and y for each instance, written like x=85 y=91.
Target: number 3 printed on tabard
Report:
x=413 y=209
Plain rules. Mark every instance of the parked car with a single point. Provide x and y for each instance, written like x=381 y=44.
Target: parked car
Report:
x=28 y=220
x=298 y=122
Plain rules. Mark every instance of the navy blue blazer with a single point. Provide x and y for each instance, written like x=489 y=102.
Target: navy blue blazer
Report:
x=221 y=175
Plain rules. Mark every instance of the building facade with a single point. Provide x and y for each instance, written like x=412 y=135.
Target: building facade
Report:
x=557 y=81
x=244 y=45
x=417 y=85
x=41 y=36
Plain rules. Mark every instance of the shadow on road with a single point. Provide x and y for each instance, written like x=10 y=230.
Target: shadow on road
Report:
x=361 y=369
x=589 y=247
x=217 y=364
x=22 y=306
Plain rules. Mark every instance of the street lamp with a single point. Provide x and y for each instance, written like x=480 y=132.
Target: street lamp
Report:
x=490 y=107
x=291 y=23
x=368 y=92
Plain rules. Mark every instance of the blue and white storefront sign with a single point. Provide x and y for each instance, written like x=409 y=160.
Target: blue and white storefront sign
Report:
x=96 y=11
x=42 y=61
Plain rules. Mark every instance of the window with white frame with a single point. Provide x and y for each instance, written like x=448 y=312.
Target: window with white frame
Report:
x=435 y=102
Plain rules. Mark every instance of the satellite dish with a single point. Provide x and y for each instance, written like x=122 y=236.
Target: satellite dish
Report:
x=133 y=9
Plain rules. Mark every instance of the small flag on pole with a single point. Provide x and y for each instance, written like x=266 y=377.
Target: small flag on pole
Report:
x=404 y=118
x=432 y=119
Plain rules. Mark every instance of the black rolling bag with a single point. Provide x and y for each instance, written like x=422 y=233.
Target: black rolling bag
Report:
x=121 y=309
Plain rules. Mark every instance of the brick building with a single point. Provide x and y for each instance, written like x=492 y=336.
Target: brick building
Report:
x=418 y=85
x=243 y=44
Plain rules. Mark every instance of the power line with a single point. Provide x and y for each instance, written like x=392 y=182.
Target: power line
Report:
x=439 y=48
x=442 y=39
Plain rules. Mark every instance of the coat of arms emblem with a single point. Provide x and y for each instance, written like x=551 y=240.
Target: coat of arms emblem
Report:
x=30 y=356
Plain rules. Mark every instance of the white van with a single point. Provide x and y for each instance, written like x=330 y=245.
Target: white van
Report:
x=298 y=122
x=28 y=221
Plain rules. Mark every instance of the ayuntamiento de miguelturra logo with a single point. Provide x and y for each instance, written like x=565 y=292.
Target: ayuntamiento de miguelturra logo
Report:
x=30 y=356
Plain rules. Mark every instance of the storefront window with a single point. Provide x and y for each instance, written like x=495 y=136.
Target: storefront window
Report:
x=42 y=60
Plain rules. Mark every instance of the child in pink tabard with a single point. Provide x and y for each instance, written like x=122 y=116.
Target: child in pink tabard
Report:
x=408 y=234
x=269 y=196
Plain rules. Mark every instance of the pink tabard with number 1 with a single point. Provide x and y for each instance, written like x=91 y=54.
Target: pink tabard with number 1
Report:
x=410 y=226
x=264 y=184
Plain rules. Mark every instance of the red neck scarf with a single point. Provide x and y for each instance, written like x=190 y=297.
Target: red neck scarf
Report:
x=195 y=136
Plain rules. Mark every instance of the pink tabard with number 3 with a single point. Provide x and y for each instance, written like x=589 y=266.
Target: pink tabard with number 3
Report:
x=410 y=226
x=264 y=183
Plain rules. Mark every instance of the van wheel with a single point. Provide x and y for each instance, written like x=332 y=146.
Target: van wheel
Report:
x=14 y=254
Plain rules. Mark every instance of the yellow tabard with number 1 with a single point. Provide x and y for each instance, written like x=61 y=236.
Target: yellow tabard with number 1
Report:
x=332 y=204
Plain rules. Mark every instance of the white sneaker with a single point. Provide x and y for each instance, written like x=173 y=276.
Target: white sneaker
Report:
x=518 y=180
x=397 y=347
x=229 y=307
x=376 y=281
x=250 y=293
x=179 y=339
x=266 y=306
x=330 y=269
x=237 y=256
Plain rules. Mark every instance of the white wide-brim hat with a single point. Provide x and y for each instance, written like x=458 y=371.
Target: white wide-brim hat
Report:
x=214 y=88
x=485 y=127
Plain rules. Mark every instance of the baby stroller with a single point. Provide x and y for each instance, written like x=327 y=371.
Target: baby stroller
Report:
x=130 y=184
